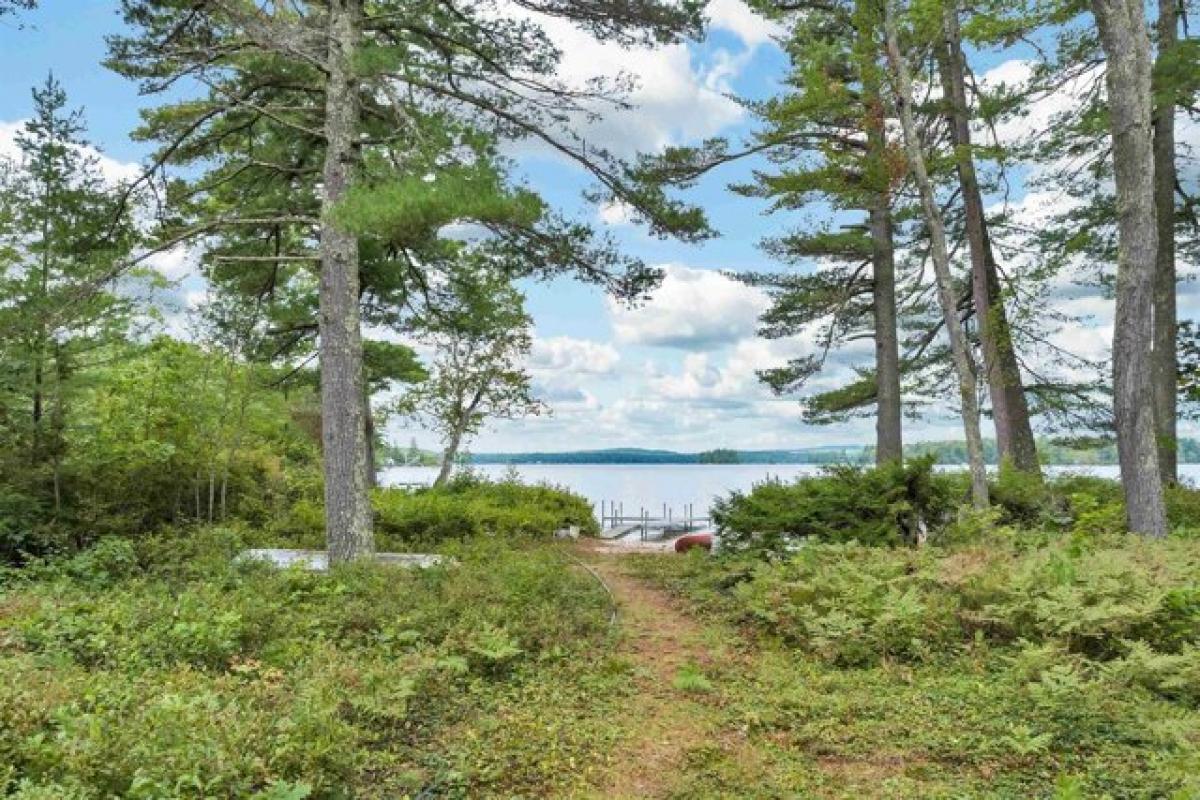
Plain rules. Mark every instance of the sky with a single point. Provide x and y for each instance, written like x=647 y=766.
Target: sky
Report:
x=678 y=371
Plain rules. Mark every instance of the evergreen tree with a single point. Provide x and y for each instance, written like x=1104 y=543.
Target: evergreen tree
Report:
x=1126 y=43
x=964 y=366
x=354 y=129
x=826 y=138
x=61 y=230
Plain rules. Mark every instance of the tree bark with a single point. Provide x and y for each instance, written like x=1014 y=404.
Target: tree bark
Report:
x=941 y=263
x=369 y=433
x=889 y=437
x=449 y=455
x=889 y=442
x=343 y=431
x=1010 y=409
x=1165 y=366
x=1126 y=43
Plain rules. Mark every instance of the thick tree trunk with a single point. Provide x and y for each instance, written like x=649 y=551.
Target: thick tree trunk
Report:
x=343 y=431
x=1165 y=367
x=889 y=443
x=1123 y=34
x=1010 y=410
x=941 y=263
x=889 y=436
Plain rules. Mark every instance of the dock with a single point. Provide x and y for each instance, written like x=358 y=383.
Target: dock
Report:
x=648 y=526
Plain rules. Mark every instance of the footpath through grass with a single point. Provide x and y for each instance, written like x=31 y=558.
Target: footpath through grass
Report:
x=1055 y=667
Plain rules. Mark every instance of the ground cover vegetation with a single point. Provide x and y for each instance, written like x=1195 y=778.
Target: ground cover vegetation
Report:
x=1035 y=649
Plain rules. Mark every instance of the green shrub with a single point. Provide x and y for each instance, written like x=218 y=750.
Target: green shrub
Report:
x=884 y=505
x=471 y=507
x=855 y=605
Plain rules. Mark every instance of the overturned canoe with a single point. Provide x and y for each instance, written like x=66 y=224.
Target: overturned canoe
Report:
x=692 y=540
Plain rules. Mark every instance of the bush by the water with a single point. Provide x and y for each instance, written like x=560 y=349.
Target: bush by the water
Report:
x=465 y=507
x=900 y=504
x=891 y=504
x=159 y=668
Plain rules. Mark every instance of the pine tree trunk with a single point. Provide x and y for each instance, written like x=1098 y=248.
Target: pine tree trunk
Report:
x=343 y=431
x=889 y=443
x=941 y=263
x=889 y=432
x=1123 y=34
x=1165 y=367
x=1010 y=410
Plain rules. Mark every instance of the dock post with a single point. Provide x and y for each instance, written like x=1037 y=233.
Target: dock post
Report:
x=601 y=515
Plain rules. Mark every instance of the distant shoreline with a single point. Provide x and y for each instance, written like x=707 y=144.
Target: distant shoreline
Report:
x=946 y=453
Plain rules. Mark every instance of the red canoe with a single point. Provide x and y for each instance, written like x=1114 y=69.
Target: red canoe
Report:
x=685 y=543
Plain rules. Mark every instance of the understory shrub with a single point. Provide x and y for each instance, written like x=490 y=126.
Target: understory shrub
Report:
x=854 y=605
x=466 y=507
x=471 y=506
x=902 y=504
x=884 y=505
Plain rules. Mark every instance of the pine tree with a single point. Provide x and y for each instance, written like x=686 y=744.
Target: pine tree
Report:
x=964 y=366
x=1126 y=43
x=61 y=230
x=342 y=96
x=1010 y=409
x=826 y=138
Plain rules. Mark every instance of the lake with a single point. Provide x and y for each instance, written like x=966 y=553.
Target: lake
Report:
x=649 y=486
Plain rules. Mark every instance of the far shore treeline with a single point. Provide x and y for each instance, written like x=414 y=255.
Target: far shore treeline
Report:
x=946 y=452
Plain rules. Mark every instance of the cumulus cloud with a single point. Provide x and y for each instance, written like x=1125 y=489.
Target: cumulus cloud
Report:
x=736 y=17
x=114 y=171
x=680 y=93
x=615 y=213
x=566 y=354
x=693 y=309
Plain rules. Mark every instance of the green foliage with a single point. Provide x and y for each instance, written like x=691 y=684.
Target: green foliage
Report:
x=853 y=605
x=891 y=504
x=721 y=455
x=469 y=507
x=463 y=509
x=1005 y=668
x=690 y=679
x=170 y=433
x=181 y=673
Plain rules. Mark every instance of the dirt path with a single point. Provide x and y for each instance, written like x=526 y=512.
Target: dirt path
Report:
x=666 y=716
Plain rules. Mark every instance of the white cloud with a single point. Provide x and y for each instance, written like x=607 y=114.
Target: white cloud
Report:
x=693 y=309
x=114 y=171
x=680 y=92
x=565 y=354
x=615 y=212
x=736 y=17
x=174 y=264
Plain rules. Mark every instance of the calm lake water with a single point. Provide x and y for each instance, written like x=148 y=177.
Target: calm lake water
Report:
x=649 y=486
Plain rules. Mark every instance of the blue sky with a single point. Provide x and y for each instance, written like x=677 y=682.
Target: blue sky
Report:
x=676 y=373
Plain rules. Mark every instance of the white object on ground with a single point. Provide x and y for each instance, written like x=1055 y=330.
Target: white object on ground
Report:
x=318 y=560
